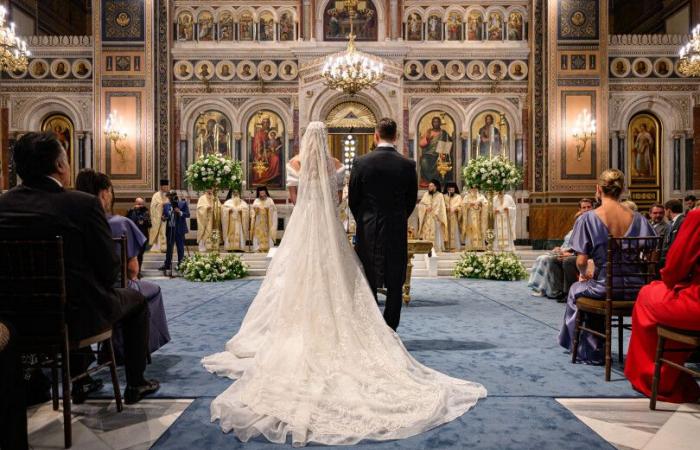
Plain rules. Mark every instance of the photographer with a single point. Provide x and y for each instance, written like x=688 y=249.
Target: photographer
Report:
x=175 y=213
x=140 y=215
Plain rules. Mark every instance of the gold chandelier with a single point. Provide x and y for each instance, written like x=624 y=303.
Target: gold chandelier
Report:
x=351 y=71
x=13 y=50
x=690 y=55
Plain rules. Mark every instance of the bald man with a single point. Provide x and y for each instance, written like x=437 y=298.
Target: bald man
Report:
x=141 y=216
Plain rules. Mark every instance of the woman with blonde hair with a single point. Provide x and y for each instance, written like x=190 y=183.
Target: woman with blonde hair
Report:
x=590 y=242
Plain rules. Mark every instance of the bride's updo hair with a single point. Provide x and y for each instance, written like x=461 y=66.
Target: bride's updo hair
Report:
x=612 y=183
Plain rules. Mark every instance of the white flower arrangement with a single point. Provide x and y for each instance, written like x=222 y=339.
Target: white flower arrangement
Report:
x=490 y=266
x=209 y=267
x=491 y=174
x=215 y=171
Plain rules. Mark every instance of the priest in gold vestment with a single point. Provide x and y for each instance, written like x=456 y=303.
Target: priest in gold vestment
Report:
x=503 y=223
x=207 y=206
x=234 y=223
x=263 y=221
x=453 y=207
x=156 y=236
x=474 y=220
x=432 y=217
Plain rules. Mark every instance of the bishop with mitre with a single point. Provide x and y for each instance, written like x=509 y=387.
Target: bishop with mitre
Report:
x=263 y=221
x=234 y=223
x=207 y=206
x=474 y=220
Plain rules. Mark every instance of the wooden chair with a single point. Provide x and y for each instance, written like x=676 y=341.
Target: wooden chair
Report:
x=631 y=263
x=123 y=276
x=688 y=337
x=33 y=298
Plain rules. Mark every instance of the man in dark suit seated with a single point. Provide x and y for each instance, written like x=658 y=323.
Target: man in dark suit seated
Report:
x=42 y=208
x=675 y=216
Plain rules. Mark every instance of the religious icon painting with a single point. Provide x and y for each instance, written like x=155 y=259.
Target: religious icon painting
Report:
x=515 y=26
x=434 y=70
x=267 y=70
x=38 y=68
x=620 y=67
x=517 y=70
x=225 y=25
x=205 y=26
x=246 y=70
x=413 y=70
x=62 y=127
x=436 y=148
x=185 y=26
x=225 y=70
x=476 y=70
x=642 y=67
x=246 y=27
x=414 y=27
x=60 y=68
x=663 y=67
x=496 y=70
x=434 y=27
x=212 y=134
x=204 y=70
x=454 y=70
x=183 y=70
x=644 y=137
x=494 y=26
x=454 y=26
x=475 y=26
x=288 y=70
x=266 y=139
x=489 y=132
x=266 y=27
x=286 y=26
x=81 y=68
x=336 y=21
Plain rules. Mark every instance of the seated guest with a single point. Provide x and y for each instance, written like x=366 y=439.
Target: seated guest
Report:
x=674 y=214
x=590 y=241
x=42 y=208
x=673 y=301
x=548 y=277
x=13 y=409
x=99 y=185
x=690 y=201
x=657 y=220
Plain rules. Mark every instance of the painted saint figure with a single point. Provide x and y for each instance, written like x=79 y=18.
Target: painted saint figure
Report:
x=489 y=138
x=644 y=148
x=263 y=221
x=435 y=145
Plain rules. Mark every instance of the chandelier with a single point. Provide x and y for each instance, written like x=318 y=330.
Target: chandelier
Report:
x=689 y=55
x=13 y=50
x=351 y=71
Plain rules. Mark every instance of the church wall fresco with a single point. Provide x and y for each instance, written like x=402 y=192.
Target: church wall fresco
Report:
x=62 y=126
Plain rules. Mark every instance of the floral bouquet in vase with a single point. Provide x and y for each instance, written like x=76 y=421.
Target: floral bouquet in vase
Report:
x=492 y=174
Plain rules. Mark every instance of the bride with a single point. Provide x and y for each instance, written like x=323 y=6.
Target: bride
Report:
x=313 y=357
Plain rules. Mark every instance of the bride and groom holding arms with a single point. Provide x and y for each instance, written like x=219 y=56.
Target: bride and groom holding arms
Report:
x=314 y=358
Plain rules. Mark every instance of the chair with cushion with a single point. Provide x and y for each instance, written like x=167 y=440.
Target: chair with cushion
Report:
x=687 y=337
x=33 y=298
x=631 y=263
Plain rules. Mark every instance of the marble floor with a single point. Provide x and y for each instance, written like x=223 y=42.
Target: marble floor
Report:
x=629 y=424
x=98 y=426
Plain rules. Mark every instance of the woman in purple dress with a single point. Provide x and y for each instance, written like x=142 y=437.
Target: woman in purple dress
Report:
x=590 y=242
x=99 y=184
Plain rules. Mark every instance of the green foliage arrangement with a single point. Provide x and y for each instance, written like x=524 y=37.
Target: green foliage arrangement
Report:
x=209 y=267
x=490 y=266
x=492 y=174
x=215 y=171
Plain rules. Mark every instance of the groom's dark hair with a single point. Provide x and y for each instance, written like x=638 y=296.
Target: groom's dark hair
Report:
x=386 y=128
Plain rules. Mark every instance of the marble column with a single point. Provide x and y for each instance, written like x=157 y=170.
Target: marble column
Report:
x=237 y=145
x=87 y=144
x=689 y=162
x=677 y=163
x=81 y=150
x=307 y=18
x=621 y=148
x=612 y=149
x=395 y=18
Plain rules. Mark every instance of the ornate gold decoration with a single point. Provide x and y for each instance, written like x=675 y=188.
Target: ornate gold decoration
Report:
x=351 y=115
x=123 y=19
x=14 y=55
x=583 y=131
x=351 y=71
x=690 y=55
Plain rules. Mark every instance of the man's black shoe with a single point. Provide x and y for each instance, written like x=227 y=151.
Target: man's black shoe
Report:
x=82 y=389
x=163 y=268
x=133 y=394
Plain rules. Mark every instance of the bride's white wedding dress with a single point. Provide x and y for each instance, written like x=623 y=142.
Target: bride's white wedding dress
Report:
x=313 y=357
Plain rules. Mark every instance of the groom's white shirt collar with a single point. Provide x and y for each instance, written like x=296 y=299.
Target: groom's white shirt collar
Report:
x=386 y=144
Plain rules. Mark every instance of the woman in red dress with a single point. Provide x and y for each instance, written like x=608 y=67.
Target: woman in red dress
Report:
x=674 y=301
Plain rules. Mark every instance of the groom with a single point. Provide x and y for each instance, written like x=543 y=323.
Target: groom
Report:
x=382 y=194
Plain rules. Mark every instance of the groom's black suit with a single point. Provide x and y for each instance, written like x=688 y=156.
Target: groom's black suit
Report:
x=382 y=194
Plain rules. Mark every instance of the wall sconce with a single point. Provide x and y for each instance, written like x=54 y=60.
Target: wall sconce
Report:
x=583 y=131
x=114 y=132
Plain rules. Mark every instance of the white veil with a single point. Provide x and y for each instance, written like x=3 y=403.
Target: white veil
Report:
x=313 y=357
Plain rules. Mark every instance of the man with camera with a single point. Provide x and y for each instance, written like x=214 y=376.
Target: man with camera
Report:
x=175 y=214
x=140 y=215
